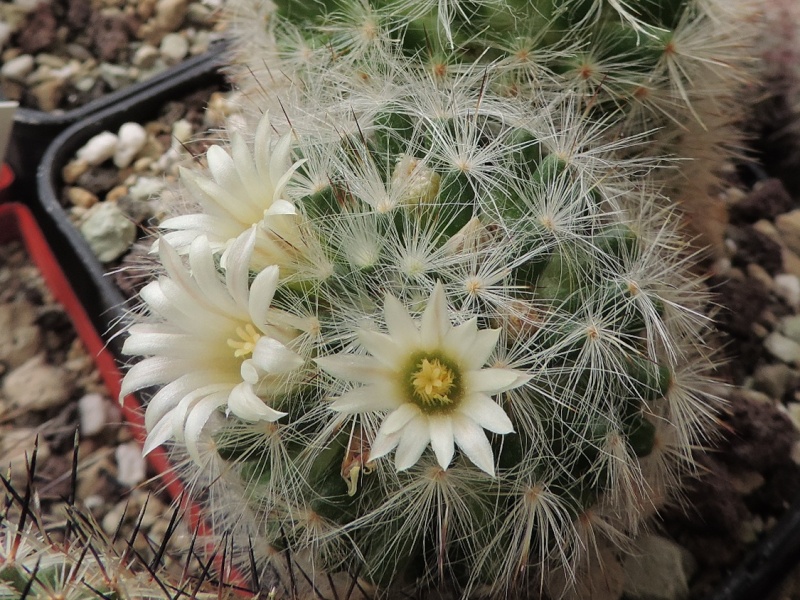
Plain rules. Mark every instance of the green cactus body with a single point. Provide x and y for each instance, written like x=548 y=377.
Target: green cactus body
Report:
x=483 y=166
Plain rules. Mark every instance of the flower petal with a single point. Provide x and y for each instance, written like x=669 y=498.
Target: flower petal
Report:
x=481 y=349
x=205 y=273
x=460 y=339
x=196 y=421
x=353 y=367
x=262 y=291
x=243 y=403
x=273 y=357
x=399 y=418
x=493 y=381
x=442 y=442
x=414 y=438
x=383 y=444
x=152 y=371
x=486 y=413
x=472 y=441
x=368 y=398
x=383 y=347
x=158 y=435
x=435 y=320
x=237 y=267
x=401 y=326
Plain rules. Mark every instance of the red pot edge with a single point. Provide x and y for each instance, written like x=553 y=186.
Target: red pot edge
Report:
x=18 y=223
x=7 y=178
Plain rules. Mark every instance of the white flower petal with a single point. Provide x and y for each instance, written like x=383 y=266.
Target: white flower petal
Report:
x=249 y=372
x=482 y=348
x=237 y=267
x=486 y=413
x=244 y=403
x=218 y=201
x=492 y=381
x=158 y=435
x=383 y=347
x=414 y=438
x=353 y=367
x=435 y=321
x=369 y=398
x=273 y=357
x=399 y=418
x=152 y=371
x=262 y=291
x=383 y=444
x=169 y=396
x=166 y=343
x=196 y=421
x=472 y=441
x=401 y=326
x=442 y=442
x=246 y=171
x=460 y=339
x=281 y=207
x=207 y=276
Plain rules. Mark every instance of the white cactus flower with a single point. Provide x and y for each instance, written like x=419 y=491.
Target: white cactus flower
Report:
x=431 y=376
x=245 y=189
x=213 y=346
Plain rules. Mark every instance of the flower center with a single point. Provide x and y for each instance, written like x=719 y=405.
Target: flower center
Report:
x=246 y=342
x=434 y=383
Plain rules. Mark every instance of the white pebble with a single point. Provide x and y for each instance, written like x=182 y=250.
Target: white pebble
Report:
x=146 y=187
x=132 y=138
x=5 y=33
x=174 y=48
x=99 y=149
x=36 y=385
x=181 y=132
x=145 y=57
x=108 y=231
x=92 y=409
x=787 y=287
x=18 y=68
x=130 y=464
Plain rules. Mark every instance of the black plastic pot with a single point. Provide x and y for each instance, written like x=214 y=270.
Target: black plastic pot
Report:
x=103 y=300
x=34 y=130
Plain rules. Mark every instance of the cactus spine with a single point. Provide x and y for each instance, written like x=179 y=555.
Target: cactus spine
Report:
x=456 y=252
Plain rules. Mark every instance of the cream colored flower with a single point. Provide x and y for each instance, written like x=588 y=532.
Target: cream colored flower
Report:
x=209 y=342
x=245 y=189
x=430 y=377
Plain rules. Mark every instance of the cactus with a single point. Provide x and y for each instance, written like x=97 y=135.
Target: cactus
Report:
x=433 y=322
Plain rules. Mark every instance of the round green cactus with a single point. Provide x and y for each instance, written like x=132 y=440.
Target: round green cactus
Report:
x=447 y=313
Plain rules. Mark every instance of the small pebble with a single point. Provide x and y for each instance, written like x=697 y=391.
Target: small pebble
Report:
x=36 y=385
x=170 y=14
x=93 y=414
x=131 y=139
x=81 y=197
x=18 y=68
x=146 y=56
x=174 y=48
x=74 y=169
x=782 y=348
x=108 y=231
x=131 y=466
x=99 y=148
x=788 y=224
x=787 y=287
x=146 y=187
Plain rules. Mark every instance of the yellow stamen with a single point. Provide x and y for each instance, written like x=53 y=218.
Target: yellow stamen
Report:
x=248 y=337
x=432 y=381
